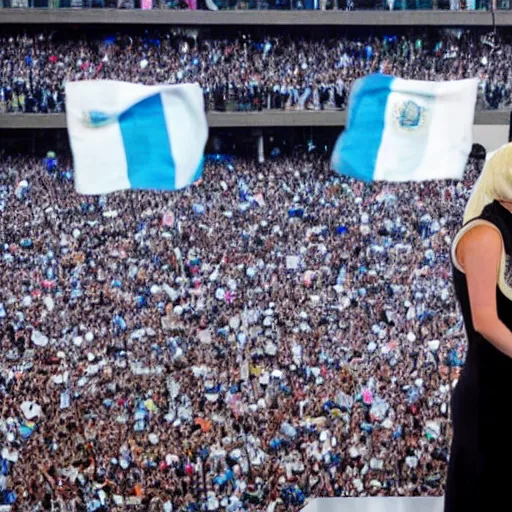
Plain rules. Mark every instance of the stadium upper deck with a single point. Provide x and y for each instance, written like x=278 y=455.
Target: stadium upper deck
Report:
x=253 y=18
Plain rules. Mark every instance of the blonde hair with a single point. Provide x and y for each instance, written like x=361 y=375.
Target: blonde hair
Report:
x=495 y=183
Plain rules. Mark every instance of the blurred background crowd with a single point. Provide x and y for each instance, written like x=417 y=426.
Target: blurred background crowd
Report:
x=250 y=71
x=272 y=333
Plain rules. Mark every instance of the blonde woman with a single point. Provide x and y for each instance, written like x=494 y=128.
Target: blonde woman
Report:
x=480 y=467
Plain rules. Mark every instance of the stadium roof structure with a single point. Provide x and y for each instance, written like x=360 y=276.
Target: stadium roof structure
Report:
x=379 y=504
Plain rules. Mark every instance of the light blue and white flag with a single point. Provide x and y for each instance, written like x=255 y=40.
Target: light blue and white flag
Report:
x=406 y=130
x=131 y=136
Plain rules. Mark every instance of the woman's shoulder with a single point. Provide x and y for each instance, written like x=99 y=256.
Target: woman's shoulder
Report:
x=494 y=216
x=477 y=226
x=483 y=230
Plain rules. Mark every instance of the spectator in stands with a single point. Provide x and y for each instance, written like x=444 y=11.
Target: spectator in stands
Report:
x=250 y=74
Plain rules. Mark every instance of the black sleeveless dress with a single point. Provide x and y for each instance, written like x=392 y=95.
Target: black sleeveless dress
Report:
x=480 y=467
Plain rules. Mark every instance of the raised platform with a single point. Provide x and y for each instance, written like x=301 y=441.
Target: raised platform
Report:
x=375 y=505
x=361 y=505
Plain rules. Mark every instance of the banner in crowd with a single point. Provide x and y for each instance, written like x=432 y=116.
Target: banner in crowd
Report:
x=130 y=136
x=406 y=130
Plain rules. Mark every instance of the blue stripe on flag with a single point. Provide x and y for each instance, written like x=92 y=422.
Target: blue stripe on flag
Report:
x=147 y=147
x=356 y=150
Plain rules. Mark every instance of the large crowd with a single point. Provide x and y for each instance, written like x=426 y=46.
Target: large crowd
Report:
x=272 y=333
x=247 y=72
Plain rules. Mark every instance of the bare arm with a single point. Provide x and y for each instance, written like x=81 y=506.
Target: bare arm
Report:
x=479 y=253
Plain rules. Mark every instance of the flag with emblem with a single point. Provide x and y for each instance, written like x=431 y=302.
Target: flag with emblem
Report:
x=406 y=130
x=131 y=136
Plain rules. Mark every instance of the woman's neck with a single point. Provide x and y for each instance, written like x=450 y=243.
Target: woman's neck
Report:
x=507 y=205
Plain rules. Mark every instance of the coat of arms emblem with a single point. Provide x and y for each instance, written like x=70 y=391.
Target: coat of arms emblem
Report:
x=409 y=115
x=97 y=119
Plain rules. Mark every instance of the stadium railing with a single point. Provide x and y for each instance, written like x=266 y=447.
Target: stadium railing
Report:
x=266 y=119
x=22 y=102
